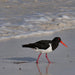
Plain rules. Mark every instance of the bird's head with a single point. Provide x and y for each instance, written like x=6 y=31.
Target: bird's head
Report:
x=58 y=40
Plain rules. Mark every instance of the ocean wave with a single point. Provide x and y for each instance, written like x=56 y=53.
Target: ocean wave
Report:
x=37 y=24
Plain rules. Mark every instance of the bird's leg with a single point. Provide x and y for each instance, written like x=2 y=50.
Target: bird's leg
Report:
x=47 y=58
x=38 y=57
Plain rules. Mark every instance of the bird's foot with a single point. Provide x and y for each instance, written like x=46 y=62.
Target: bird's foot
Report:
x=49 y=62
x=36 y=62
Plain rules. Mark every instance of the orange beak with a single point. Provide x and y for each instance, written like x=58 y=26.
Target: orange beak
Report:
x=63 y=44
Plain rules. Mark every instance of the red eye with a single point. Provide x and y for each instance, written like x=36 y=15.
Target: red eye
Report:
x=59 y=39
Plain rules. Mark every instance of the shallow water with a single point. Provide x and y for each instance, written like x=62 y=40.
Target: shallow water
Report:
x=21 y=61
x=21 y=18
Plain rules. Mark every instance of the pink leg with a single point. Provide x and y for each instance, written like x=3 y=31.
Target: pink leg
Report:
x=47 y=58
x=38 y=57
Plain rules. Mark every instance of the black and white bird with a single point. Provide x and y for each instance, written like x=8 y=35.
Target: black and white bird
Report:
x=45 y=46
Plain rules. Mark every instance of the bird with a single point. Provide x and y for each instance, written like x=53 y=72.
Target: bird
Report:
x=45 y=46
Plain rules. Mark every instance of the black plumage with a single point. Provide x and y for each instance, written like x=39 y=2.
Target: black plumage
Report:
x=44 y=44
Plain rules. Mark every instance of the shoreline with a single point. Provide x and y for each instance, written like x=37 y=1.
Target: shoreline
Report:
x=18 y=60
x=35 y=34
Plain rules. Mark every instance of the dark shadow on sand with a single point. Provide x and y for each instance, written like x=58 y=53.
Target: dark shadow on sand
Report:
x=19 y=60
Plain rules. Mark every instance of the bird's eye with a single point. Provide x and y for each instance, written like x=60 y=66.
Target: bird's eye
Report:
x=59 y=39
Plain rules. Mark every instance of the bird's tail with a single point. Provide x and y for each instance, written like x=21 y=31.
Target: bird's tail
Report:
x=29 y=45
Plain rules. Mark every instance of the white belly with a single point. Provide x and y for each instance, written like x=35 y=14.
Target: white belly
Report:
x=45 y=51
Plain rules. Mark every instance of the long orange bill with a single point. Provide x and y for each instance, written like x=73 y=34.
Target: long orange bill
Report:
x=63 y=44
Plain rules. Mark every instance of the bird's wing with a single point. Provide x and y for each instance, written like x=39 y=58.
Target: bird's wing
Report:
x=42 y=44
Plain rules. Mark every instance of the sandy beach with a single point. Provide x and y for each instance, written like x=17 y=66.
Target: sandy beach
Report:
x=28 y=21
x=15 y=60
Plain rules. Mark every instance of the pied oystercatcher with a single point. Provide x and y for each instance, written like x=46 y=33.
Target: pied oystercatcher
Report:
x=45 y=46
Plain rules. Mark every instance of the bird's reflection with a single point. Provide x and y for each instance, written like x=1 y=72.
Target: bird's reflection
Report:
x=40 y=73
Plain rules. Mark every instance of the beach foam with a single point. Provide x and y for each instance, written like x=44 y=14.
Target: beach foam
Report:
x=37 y=26
x=25 y=18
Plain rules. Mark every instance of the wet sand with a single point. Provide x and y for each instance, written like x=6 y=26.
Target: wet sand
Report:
x=15 y=60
